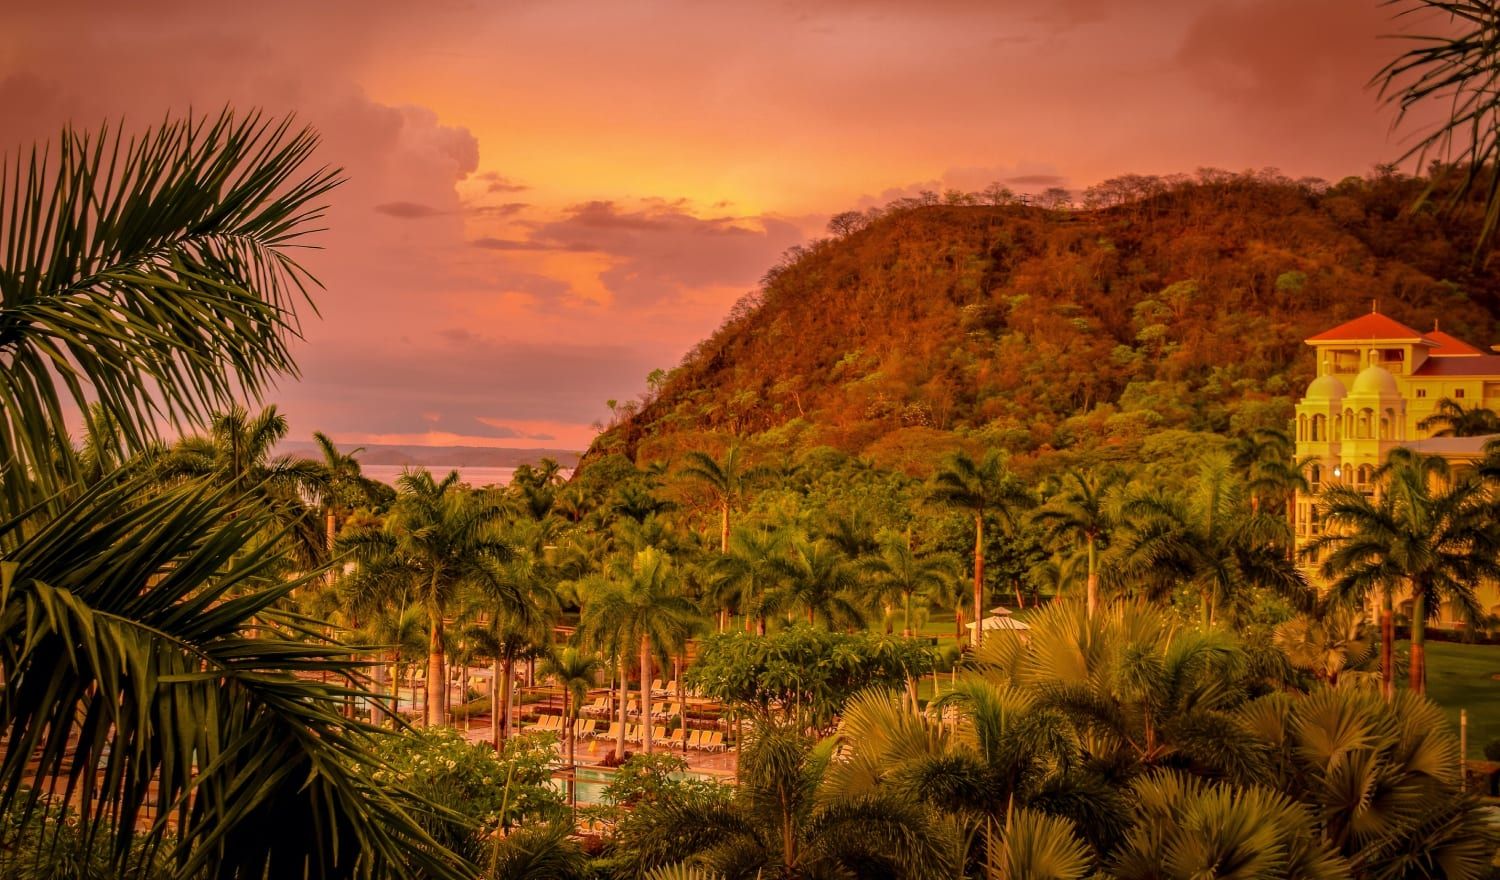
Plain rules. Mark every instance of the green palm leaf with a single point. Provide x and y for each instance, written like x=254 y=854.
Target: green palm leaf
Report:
x=151 y=682
x=153 y=275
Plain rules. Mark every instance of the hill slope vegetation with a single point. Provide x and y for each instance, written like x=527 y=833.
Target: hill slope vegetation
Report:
x=1162 y=304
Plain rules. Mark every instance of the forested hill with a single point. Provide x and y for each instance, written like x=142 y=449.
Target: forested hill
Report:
x=1162 y=304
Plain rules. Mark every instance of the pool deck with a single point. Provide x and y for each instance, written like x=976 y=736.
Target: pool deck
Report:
x=590 y=751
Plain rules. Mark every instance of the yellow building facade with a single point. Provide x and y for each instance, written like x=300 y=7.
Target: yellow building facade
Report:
x=1378 y=379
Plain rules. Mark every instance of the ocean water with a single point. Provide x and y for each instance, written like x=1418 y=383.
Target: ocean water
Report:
x=474 y=476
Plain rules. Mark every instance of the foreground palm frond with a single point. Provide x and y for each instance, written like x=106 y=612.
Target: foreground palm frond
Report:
x=1454 y=66
x=151 y=684
x=153 y=275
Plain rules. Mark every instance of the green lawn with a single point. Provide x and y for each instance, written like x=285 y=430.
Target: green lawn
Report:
x=1461 y=676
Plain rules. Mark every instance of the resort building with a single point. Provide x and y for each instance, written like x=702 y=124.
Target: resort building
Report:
x=1378 y=379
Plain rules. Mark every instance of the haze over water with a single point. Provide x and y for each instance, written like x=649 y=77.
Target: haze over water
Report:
x=474 y=476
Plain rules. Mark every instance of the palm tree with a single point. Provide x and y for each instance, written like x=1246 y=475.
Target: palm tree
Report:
x=901 y=571
x=1327 y=645
x=1452 y=419
x=745 y=577
x=1209 y=542
x=1429 y=529
x=574 y=672
x=1187 y=827
x=727 y=482
x=127 y=655
x=978 y=489
x=1449 y=65
x=1078 y=511
x=997 y=753
x=820 y=582
x=1267 y=460
x=160 y=267
x=438 y=543
x=238 y=452
x=402 y=629
x=341 y=485
x=1142 y=692
x=1378 y=781
x=506 y=641
x=639 y=604
x=777 y=823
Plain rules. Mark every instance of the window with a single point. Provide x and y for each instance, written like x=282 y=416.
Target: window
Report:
x=1346 y=360
x=1421 y=392
x=1458 y=394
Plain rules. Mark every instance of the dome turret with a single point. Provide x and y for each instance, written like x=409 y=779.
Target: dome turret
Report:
x=1375 y=381
x=1325 y=388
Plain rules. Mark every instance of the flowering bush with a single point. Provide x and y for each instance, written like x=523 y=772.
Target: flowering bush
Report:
x=483 y=790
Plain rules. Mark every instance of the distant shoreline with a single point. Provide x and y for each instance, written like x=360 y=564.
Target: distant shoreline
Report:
x=435 y=458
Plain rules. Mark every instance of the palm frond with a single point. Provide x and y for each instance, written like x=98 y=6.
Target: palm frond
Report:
x=154 y=275
x=150 y=680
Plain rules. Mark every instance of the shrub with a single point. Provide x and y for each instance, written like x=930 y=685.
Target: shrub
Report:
x=484 y=789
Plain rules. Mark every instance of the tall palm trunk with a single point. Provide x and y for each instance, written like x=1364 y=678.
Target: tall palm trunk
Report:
x=1291 y=521
x=958 y=623
x=978 y=579
x=496 y=712
x=624 y=693
x=331 y=524
x=1418 y=679
x=571 y=726
x=646 y=694
x=507 y=684
x=1092 y=596
x=906 y=612
x=437 y=668
x=1387 y=647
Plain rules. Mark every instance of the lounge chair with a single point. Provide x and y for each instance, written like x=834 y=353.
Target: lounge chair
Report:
x=613 y=733
x=714 y=741
x=695 y=739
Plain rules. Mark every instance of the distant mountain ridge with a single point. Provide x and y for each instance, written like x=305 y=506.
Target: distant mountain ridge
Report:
x=1164 y=304
x=437 y=456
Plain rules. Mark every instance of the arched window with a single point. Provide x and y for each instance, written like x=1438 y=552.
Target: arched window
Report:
x=1385 y=428
x=1364 y=427
x=1319 y=432
x=1302 y=428
x=1315 y=477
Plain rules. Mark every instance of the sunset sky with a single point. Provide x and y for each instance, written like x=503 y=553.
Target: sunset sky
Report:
x=547 y=200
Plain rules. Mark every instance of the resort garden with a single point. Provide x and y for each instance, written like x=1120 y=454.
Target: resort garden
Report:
x=751 y=661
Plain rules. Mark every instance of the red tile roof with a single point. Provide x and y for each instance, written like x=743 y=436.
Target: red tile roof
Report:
x=1450 y=345
x=1370 y=326
x=1480 y=365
